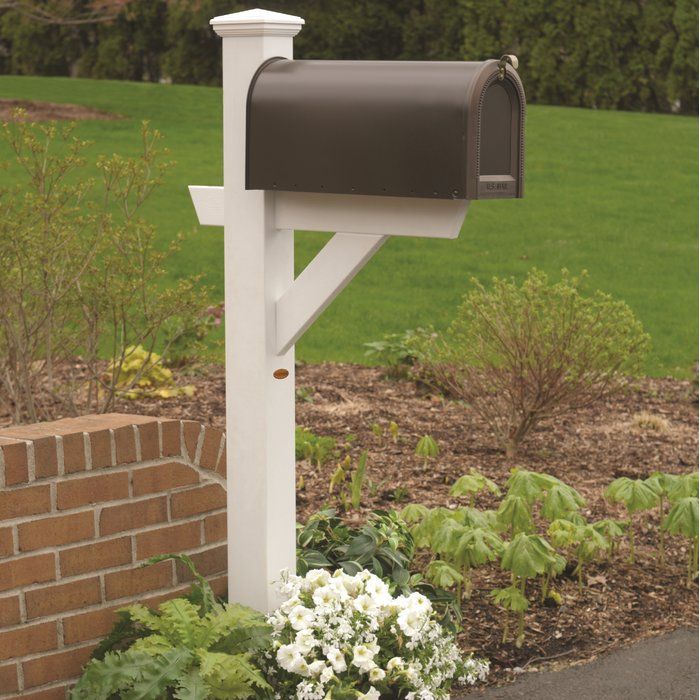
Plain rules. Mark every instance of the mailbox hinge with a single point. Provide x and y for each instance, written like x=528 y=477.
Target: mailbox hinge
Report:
x=506 y=59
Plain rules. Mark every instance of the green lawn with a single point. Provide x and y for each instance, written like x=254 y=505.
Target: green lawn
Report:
x=611 y=192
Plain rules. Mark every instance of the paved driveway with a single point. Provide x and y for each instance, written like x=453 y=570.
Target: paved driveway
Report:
x=661 y=668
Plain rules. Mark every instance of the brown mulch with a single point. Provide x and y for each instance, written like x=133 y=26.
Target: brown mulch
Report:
x=50 y=111
x=622 y=603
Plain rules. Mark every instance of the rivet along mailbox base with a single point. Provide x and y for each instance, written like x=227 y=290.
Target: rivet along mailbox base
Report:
x=363 y=149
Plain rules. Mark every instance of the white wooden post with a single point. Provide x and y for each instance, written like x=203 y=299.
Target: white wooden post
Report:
x=259 y=267
x=267 y=310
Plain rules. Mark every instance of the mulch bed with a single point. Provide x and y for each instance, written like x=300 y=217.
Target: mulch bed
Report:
x=622 y=603
x=51 y=111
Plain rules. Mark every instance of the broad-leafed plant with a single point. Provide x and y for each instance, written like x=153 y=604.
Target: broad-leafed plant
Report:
x=471 y=484
x=637 y=495
x=185 y=649
x=682 y=520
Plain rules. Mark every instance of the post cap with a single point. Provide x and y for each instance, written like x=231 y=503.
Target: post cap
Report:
x=257 y=23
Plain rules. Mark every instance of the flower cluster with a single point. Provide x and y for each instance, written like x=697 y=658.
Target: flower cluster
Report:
x=338 y=636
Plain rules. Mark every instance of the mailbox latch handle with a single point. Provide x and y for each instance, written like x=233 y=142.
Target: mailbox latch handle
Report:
x=505 y=59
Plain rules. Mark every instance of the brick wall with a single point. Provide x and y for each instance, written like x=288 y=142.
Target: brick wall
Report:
x=82 y=502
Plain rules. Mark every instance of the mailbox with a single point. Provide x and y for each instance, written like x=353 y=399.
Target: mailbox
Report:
x=447 y=130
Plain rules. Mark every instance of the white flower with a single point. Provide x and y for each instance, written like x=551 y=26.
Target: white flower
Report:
x=363 y=658
x=376 y=674
x=325 y=595
x=300 y=617
x=317 y=578
x=317 y=667
x=305 y=641
x=336 y=659
x=371 y=694
x=411 y=621
x=287 y=655
x=396 y=662
x=365 y=604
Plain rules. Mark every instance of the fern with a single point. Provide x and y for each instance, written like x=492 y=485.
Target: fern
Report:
x=186 y=650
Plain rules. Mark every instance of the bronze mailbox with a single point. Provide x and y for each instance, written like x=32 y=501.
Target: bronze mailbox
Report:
x=449 y=130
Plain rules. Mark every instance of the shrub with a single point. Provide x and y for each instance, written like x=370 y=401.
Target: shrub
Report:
x=521 y=354
x=340 y=636
x=80 y=272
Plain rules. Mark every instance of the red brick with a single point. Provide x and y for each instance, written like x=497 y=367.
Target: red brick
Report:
x=56 y=667
x=16 y=463
x=73 y=453
x=191 y=430
x=211 y=561
x=20 y=502
x=150 y=442
x=6 y=544
x=163 y=477
x=220 y=586
x=175 y=538
x=89 y=625
x=122 y=584
x=45 y=457
x=153 y=602
x=210 y=448
x=8 y=678
x=221 y=464
x=61 y=529
x=63 y=596
x=56 y=693
x=9 y=611
x=171 y=438
x=215 y=528
x=101 y=449
x=197 y=500
x=28 y=639
x=93 y=557
x=133 y=516
x=23 y=571
x=73 y=493
x=125 y=444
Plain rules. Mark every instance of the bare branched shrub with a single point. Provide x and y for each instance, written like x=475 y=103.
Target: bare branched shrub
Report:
x=81 y=275
x=522 y=354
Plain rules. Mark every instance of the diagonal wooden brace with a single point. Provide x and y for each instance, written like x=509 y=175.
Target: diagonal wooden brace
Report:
x=320 y=282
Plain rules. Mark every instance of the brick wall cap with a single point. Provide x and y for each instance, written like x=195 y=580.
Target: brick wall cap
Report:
x=81 y=424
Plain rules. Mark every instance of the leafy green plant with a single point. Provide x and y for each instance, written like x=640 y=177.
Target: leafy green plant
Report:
x=525 y=556
x=637 y=495
x=471 y=484
x=348 y=482
x=184 y=650
x=317 y=449
x=400 y=494
x=396 y=351
x=394 y=431
x=427 y=448
x=305 y=394
x=682 y=520
x=586 y=541
x=521 y=354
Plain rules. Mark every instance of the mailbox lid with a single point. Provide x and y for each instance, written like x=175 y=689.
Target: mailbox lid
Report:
x=393 y=128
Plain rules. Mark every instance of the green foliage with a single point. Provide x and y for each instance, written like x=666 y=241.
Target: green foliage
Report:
x=520 y=354
x=623 y=55
x=682 y=519
x=383 y=545
x=184 y=650
x=471 y=484
x=81 y=272
x=317 y=449
x=427 y=448
x=396 y=351
x=637 y=495
x=349 y=482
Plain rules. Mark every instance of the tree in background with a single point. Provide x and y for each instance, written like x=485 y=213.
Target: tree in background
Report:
x=609 y=54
